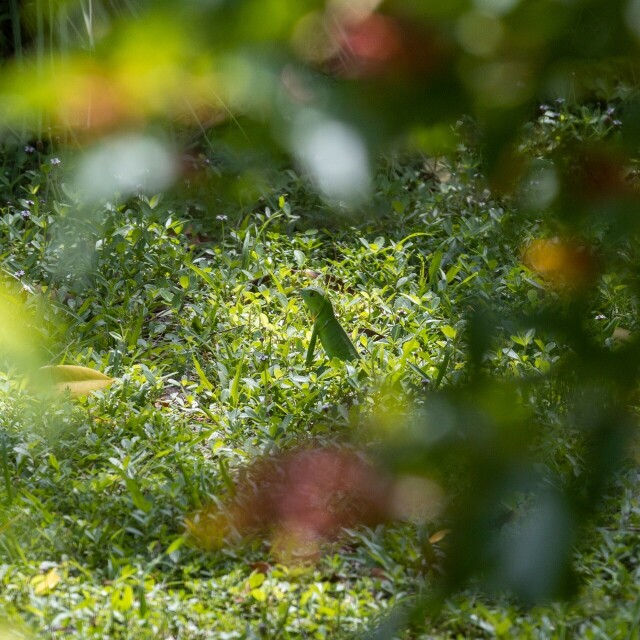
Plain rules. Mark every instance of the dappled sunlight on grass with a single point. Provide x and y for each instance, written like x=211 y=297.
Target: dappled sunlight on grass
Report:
x=172 y=179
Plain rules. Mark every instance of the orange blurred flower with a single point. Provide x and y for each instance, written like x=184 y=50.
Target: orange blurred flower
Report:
x=560 y=262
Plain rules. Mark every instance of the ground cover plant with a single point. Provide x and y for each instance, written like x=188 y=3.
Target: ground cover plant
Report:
x=203 y=325
x=460 y=180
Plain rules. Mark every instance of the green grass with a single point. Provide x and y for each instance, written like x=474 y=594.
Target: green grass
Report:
x=200 y=321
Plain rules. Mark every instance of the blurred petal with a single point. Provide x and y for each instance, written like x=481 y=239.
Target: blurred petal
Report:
x=417 y=499
x=560 y=262
x=301 y=499
x=335 y=156
x=123 y=165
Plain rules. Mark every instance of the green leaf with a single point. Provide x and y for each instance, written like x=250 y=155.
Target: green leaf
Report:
x=202 y=375
x=419 y=371
x=256 y=579
x=442 y=369
x=203 y=274
x=452 y=272
x=235 y=384
x=154 y=201
x=246 y=250
x=175 y=545
x=53 y=461
x=122 y=599
x=449 y=331
x=503 y=627
x=136 y=495
x=258 y=594
x=434 y=267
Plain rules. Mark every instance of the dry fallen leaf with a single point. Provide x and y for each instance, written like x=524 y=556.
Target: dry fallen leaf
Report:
x=79 y=381
x=439 y=535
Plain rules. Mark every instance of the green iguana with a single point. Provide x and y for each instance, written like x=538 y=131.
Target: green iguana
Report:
x=333 y=337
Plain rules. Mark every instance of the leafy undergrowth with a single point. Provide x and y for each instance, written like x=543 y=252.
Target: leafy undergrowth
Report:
x=203 y=326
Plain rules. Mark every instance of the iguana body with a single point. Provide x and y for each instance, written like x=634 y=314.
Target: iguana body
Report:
x=333 y=337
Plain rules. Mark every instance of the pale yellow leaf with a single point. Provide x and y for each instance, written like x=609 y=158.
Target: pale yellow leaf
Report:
x=439 y=535
x=79 y=381
x=44 y=583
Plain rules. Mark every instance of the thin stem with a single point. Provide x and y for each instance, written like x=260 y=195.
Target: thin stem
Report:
x=17 y=31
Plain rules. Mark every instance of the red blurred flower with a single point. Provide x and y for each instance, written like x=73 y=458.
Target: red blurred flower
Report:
x=307 y=496
x=380 y=45
x=317 y=491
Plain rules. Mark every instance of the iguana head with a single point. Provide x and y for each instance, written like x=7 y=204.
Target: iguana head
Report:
x=315 y=299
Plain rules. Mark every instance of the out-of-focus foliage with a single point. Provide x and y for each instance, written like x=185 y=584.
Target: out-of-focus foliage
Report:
x=326 y=81
x=330 y=84
x=19 y=337
x=461 y=386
